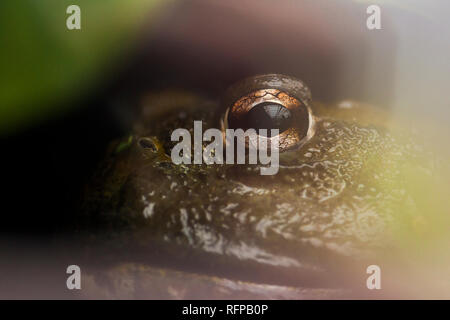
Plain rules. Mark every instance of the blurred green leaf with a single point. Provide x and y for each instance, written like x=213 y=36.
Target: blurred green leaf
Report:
x=42 y=63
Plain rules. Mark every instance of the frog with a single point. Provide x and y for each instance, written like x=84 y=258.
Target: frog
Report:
x=344 y=197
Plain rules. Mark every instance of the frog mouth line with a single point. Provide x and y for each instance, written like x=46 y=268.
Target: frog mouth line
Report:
x=172 y=284
x=241 y=266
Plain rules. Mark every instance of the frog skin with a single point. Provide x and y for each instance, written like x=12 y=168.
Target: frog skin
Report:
x=340 y=202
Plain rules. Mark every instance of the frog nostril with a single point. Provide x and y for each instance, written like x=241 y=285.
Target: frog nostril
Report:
x=147 y=143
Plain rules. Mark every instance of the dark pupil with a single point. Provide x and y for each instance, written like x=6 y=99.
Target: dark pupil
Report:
x=268 y=115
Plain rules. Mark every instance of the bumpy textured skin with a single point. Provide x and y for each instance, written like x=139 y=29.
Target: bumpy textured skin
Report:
x=335 y=202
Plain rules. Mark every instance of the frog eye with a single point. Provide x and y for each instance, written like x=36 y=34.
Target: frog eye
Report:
x=271 y=101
